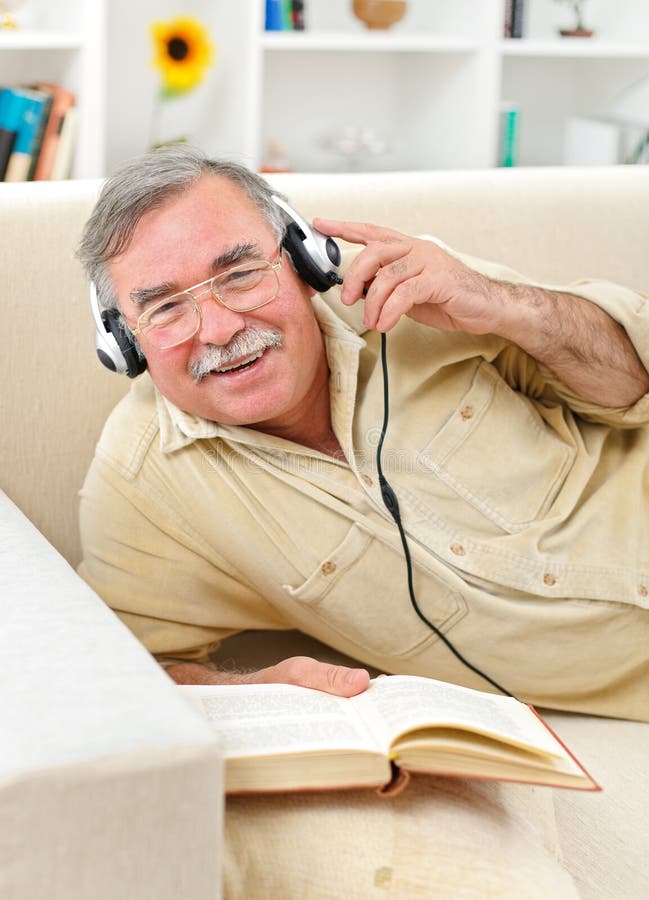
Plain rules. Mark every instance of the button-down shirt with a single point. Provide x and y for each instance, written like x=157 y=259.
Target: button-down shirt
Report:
x=526 y=511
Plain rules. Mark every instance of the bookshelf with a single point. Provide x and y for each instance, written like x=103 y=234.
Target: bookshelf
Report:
x=64 y=42
x=425 y=94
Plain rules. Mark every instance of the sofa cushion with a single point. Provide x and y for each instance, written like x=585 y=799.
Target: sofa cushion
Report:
x=605 y=836
x=441 y=838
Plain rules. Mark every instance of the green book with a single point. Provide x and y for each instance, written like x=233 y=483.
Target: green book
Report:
x=509 y=128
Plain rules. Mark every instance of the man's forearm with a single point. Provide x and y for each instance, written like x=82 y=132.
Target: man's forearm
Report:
x=580 y=343
x=197 y=673
x=299 y=670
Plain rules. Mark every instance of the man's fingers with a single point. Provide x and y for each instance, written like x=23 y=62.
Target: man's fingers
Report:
x=356 y=232
x=391 y=294
x=391 y=260
x=306 y=672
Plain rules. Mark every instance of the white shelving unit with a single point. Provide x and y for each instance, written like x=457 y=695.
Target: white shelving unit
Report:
x=403 y=92
x=429 y=89
x=65 y=43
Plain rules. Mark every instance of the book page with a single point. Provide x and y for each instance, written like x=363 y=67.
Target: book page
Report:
x=397 y=703
x=265 y=719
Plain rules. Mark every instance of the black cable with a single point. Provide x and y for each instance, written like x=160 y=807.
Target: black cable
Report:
x=392 y=505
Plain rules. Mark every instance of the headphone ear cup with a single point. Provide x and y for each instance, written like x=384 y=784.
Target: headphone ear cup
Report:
x=132 y=363
x=302 y=261
x=316 y=257
x=115 y=347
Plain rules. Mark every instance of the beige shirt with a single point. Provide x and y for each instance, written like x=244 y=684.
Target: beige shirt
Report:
x=526 y=509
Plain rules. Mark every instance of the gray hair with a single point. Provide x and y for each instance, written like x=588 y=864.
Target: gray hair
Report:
x=148 y=182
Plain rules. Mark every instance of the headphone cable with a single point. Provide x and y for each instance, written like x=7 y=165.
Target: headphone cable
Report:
x=392 y=505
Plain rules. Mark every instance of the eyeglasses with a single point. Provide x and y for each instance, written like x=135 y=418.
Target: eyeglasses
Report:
x=243 y=288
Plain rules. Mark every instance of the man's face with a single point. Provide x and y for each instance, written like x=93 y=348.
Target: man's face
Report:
x=175 y=247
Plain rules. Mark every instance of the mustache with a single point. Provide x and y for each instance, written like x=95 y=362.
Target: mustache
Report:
x=251 y=340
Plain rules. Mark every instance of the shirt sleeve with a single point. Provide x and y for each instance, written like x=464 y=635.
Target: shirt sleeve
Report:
x=627 y=307
x=177 y=597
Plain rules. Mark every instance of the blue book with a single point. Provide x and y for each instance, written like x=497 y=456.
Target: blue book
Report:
x=10 y=109
x=33 y=109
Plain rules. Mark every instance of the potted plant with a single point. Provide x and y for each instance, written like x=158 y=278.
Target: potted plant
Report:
x=579 y=29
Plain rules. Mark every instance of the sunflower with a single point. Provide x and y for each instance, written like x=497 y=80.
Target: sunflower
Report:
x=183 y=52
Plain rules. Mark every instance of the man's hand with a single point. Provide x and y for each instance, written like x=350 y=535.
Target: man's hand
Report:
x=399 y=275
x=300 y=670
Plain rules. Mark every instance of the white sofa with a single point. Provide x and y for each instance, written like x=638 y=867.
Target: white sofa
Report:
x=109 y=783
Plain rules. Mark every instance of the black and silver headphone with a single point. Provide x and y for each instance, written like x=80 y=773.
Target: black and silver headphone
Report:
x=315 y=257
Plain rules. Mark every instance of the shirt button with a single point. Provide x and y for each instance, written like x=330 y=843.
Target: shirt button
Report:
x=458 y=549
x=368 y=480
x=643 y=590
x=549 y=579
x=466 y=412
x=328 y=567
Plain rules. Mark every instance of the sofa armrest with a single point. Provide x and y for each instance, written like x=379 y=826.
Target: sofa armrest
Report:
x=110 y=784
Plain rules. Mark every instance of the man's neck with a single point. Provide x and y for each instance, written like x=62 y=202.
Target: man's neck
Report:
x=312 y=428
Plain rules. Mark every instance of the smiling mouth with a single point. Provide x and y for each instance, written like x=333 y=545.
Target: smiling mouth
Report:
x=244 y=351
x=242 y=364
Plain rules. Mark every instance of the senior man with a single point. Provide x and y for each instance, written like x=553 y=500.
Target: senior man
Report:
x=237 y=485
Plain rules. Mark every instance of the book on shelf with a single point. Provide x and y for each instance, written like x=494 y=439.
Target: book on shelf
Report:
x=509 y=120
x=64 y=157
x=514 y=24
x=9 y=119
x=298 y=15
x=279 y=738
x=62 y=101
x=34 y=110
x=284 y=15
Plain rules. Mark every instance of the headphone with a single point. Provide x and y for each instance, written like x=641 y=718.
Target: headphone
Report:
x=315 y=257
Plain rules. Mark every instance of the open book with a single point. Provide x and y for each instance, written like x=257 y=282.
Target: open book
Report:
x=284 y=738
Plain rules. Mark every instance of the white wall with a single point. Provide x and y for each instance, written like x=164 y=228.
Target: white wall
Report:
x=132 y=82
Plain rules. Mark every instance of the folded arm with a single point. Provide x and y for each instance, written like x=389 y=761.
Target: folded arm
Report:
x=580 y=343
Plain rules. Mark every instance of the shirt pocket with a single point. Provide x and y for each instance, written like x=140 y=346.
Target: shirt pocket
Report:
x=360 y=590
x=499 y=454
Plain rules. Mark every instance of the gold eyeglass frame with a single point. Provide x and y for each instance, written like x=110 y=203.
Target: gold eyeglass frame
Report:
x=209 y=287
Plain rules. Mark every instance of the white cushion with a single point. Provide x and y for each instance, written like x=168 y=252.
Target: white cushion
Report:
x=110 y=784
x=441 y=838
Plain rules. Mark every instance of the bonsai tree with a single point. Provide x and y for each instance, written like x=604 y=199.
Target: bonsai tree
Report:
x=579 y=27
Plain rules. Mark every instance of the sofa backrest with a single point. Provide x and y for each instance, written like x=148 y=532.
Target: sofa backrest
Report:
x=552 y=224
x=54 y=393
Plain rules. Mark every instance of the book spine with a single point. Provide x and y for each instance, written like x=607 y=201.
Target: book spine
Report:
x=509 y=128
x=275 y=15
x=507 y=24
x=288 y=15
x=62 y=101
x=518 y=19
x=35 y=109
x=65 y=151
x=297 y=15
x=7 y=129
x=39 y=133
